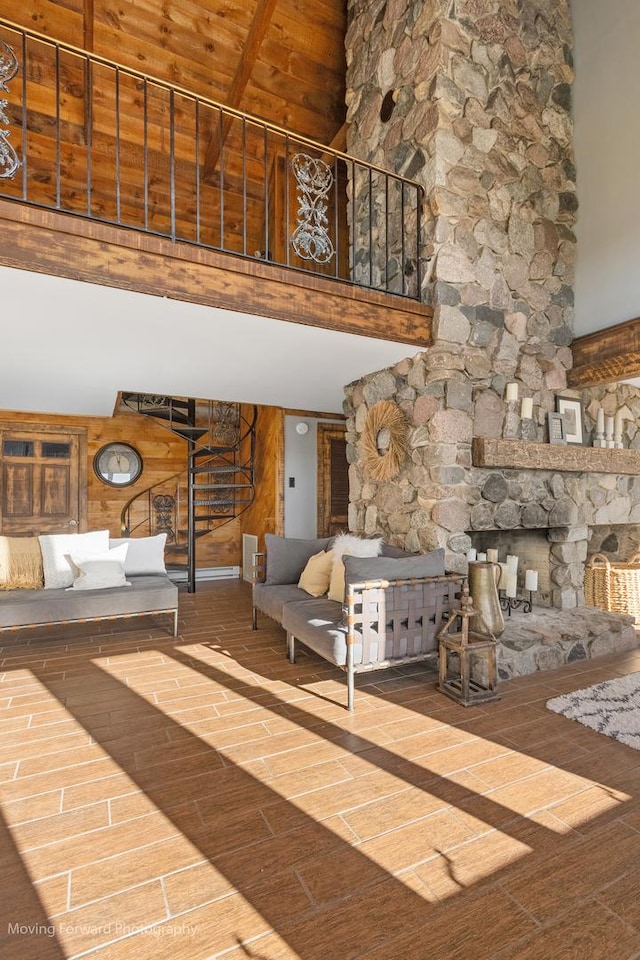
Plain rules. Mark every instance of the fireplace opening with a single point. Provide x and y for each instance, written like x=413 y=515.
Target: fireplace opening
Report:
x=533 y=549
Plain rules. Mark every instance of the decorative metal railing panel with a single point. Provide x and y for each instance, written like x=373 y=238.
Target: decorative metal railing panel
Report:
x=9 y=161
x=102 y=141
x=311 y=239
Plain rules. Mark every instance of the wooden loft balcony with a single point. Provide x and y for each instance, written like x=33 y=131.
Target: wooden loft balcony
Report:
x=126 y=180
x=62 y=245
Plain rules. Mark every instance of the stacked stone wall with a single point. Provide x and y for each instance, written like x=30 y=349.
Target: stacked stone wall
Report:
x=472 y=99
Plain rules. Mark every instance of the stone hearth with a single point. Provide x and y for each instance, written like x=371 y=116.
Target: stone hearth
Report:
x=545 y=639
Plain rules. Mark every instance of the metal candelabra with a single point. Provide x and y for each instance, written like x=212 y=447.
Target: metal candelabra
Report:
x=513 y=603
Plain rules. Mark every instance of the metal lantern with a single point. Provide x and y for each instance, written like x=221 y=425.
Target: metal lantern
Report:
x=462 y=648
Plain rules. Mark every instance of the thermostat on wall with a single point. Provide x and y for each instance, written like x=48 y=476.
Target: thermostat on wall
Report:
x=302 y=428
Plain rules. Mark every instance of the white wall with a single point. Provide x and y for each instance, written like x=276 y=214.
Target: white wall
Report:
x=301 y=466
x=68 y=347
x=607 y=141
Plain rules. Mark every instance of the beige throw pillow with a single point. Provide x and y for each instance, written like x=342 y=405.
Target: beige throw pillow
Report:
x=336 y=583
x=317 y=573
x=20 y=563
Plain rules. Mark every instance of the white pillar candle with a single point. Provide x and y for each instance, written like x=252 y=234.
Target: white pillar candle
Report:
x=617 y=423
x=471 y=554
x=512 y=563
x=502 y=585
x=531 y=580
x=526 y=408
x=492 y=556
x=482 y=557
x=512 y=392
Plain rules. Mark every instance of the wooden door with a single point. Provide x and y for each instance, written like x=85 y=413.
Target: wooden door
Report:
x=43 y=473
x=333 y=480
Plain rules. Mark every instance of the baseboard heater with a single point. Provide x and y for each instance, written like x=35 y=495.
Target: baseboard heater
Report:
x=249 y=547
x=206 y=573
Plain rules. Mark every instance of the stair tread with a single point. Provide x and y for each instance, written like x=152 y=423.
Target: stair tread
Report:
x=185 y=429
x=224 y=468
x=222 y=486
x=204 y=469
x=214 y=503
x=214 y=516
x=212 y=451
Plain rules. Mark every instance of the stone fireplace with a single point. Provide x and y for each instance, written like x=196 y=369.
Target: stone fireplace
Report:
x=444 y=495
x=472 y=98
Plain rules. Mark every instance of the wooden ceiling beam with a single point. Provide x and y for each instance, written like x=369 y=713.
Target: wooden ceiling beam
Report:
x=257 y=30
x=339 y=141
x=606 y=356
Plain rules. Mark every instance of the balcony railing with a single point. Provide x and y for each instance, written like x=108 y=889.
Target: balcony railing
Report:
x=85 y=136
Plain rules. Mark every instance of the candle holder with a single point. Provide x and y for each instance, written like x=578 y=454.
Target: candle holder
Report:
x=600 y=440
x=511 y=429
x=528 y=429
x=513 y=603
x=609 y=441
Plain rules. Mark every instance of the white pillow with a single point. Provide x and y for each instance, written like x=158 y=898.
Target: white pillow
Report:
x=145 y=555
x=347 y=544
x=355 y=546
x=55 y=547
x=80 y=557
x=99 y=571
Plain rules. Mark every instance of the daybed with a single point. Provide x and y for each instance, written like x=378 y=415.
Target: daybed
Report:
x=84 y=577
x=388 y=613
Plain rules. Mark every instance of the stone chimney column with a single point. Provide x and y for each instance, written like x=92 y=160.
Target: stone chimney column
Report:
x=472 y=99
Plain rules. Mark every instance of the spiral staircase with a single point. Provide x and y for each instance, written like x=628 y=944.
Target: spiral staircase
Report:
x=216 y=486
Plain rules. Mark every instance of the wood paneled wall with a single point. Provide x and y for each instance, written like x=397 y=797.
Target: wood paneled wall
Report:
x=266 y=513
x=163 y=454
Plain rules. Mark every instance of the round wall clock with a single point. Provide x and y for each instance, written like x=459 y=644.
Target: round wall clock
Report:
x=118 y=464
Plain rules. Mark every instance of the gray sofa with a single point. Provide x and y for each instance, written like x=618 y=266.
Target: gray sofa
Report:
x=83 y=577
x=152 y=594
x=394 y=605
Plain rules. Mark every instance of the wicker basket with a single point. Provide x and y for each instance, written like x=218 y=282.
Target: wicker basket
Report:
x=614 y=587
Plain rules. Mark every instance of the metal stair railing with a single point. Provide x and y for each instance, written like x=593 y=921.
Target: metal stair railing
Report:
x=217 y=456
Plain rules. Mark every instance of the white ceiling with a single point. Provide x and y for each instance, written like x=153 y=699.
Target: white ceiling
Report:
x=68 y=347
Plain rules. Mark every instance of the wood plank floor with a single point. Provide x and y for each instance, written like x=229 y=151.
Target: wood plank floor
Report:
x=202 y=797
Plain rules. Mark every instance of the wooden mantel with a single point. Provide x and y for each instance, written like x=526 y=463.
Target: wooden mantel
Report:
x=570 y=458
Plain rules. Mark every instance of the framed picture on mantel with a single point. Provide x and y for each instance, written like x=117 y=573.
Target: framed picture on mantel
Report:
x=571 y=410
x=555 y=423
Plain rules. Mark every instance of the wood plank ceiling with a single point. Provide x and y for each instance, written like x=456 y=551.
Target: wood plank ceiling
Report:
x=282 y=60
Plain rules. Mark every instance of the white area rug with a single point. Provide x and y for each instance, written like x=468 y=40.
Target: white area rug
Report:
x=611 y=708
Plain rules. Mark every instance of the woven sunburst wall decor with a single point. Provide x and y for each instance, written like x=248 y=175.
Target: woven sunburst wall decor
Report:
x=387 y=416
